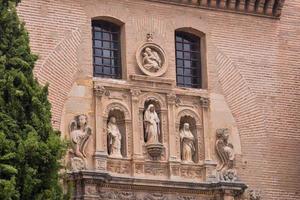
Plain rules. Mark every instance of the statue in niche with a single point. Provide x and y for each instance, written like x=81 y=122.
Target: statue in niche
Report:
x=114 y=138
x=187 y=143
x=79 y=135
x=151 y=121
x=226 y=154
x=151 y=60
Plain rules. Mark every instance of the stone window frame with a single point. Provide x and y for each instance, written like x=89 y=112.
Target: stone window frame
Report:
x=122 y=49
x=202 y=56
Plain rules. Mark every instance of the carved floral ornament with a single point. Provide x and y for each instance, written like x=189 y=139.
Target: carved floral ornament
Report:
x=151 y=58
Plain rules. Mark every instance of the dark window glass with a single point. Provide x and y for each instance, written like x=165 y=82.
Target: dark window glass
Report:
x=188 y=62
x=106 y=49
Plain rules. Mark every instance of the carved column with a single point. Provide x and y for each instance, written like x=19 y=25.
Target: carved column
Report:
x=209 y=164
x=101 y=152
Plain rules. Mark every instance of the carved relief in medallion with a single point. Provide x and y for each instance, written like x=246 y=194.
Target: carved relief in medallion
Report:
x=151 y=59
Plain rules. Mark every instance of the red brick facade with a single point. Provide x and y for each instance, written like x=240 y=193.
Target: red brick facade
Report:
x=253 y=61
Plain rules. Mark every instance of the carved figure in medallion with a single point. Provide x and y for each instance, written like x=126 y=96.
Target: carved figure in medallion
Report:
x=114 y=138
x=152 y=126
x=79 y=135
x=226 y=154
x=187 y=142
x=151 y=60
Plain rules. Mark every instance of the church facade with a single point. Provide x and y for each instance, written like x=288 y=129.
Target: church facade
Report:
x=164 y=100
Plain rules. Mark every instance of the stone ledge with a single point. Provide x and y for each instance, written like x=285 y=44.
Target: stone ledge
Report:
x=106 y=180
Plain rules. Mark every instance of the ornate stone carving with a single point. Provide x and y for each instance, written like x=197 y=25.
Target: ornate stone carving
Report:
x=187 y=143
x=79 y=136
x=191 y=172
x=91 y=189
x=185 y=198
x=155 y=169
x=115 y=195
x=151 y=59
x=204 y=102
x=100 y=91
x=114 y=138
x=149 y=37
x=118 y=167
x=155 y=196
x=226 y=155
x=254 y=195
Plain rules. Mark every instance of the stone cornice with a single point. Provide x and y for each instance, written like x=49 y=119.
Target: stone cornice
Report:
x=264 y=8
x=107 y=180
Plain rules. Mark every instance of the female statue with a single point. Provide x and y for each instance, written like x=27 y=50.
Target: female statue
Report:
x=114 y=138
x=151 y=121
x=187 y=141
x=151 y=60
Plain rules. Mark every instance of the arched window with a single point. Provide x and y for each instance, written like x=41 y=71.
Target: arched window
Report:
x=188 y=60
x=106 y=49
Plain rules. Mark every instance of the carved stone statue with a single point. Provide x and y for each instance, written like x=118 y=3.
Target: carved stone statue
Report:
x=79 y=135
x=187 y=143
x=151 y=60
x=114 y=138
x=226 y=155
x=152 y=122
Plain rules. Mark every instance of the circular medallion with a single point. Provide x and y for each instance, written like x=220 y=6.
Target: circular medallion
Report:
x=151 y=59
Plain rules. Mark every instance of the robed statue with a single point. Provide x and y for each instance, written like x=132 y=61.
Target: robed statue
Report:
x=151 y=60
x=114 y=138
x=187 y=143
x=152 y=125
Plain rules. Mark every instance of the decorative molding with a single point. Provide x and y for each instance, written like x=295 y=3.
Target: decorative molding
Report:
x=270 y=9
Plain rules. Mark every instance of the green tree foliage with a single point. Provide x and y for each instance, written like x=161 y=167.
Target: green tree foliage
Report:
x=30 y=149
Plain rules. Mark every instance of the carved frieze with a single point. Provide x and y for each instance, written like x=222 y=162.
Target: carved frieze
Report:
x=118 y=166
x=156 y=169
x=117 y=195
x=155 y=196
x=190 y=172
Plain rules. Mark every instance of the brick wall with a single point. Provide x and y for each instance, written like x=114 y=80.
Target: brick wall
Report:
x=253 y=61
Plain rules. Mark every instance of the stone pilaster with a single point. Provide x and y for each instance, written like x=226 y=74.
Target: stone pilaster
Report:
x=100 y=152
x=137 y=141
x=172 y=132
